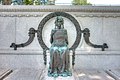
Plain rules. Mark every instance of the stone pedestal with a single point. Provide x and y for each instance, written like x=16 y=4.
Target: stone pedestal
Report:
x=60 y=78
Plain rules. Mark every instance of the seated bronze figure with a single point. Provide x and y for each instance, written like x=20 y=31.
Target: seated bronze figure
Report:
x=59 y=52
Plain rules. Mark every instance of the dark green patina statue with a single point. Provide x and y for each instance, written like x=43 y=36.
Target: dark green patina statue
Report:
x=59 y=52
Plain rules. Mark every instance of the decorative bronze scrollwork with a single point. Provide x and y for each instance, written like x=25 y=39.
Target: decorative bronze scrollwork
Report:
x=31 y=33
x=86 y=33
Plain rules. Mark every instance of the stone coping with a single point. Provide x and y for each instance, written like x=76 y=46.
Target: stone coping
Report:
x=40 y=52
x=54 y=8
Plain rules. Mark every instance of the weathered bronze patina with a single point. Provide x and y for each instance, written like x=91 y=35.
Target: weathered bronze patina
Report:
x=59 y=52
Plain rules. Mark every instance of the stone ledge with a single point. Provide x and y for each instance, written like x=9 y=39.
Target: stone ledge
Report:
x=53 y=8
x=39 y=52
x=114 y=73
x=91 y=15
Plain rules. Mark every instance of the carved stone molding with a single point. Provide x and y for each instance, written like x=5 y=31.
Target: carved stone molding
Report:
x=97 y=15
x=41 y=15
x=21 y=15
x=78 y=11
x=53 y=8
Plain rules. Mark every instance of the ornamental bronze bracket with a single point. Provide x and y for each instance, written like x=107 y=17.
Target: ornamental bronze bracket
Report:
x=31 y=33
x=86 y=34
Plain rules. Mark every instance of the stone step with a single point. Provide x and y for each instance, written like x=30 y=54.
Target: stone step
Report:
x=115 y=73
x=4 y=73
x=25 y=74
x=92 y=75
x=40 y=74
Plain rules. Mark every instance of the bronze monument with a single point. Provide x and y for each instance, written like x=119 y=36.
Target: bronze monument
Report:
x=59 y=64
x=59 y=52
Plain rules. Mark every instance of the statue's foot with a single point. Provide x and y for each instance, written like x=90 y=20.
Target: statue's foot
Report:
x=55 y=74
x=69 y=73
x=50 y=75
x=64 y=74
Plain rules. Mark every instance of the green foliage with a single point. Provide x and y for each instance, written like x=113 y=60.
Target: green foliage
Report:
x=36 y=2
x=28 y=2
x=80 y=2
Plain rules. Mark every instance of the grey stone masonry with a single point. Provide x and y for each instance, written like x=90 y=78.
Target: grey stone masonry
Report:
x=103 y=22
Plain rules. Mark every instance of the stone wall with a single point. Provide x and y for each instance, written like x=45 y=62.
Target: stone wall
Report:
x=103 y=23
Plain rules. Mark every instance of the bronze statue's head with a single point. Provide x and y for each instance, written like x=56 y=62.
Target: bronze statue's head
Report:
x=59 y=22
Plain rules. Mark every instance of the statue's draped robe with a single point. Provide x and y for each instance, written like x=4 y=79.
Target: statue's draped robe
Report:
x=59 y=53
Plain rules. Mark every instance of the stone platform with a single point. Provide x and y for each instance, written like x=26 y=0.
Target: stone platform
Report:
x=25 y=74
x=4 y=73
x=78 y=74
